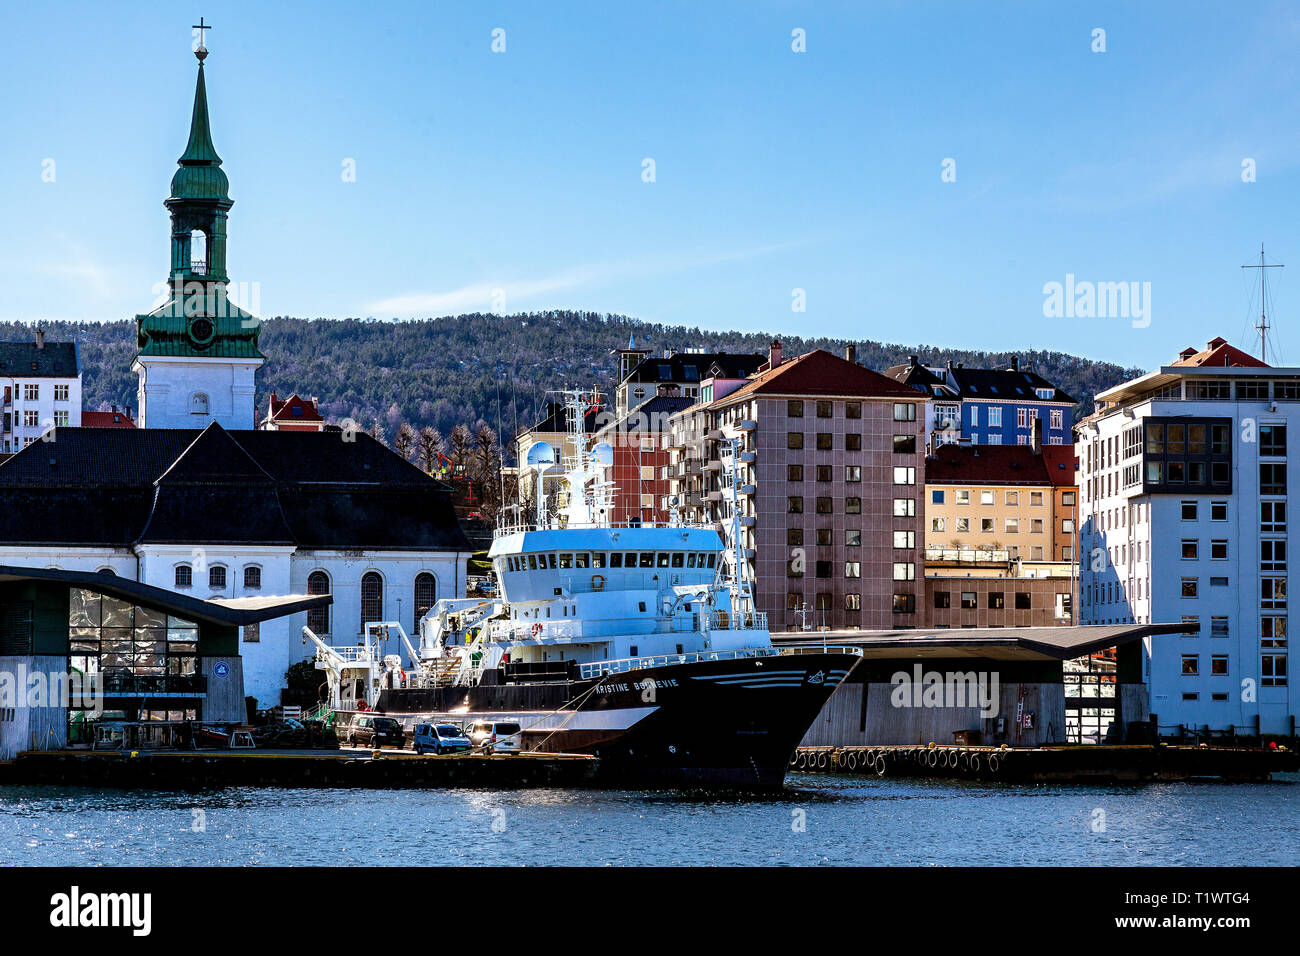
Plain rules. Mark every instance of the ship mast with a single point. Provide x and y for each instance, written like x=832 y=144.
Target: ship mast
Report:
x=1262 y=326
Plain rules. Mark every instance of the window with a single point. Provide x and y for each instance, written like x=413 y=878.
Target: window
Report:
x=1068 y=498
x=1218 y=510
x=794 y=568
x=904 y=508
x=853 y=506
x=824 y=537
x=793 y=599
x=1219 y=626
x=318 y=618
x=995 y=416
x=184 y=576
x=31 y=393
x=1058 y=418
x=986 y=526
x=963 y=525
x=938 y=524
x=794 y=408
x=1190 y=549
x=1272 y=594
x=1189 y=587
x=825 y=410
x=1013 y=525
x=426 y=595
x=904 y=571
x=825 y=441
x=1272 y=441
x=1191 y=626
x=216 y=577
x=904 y=603
x=31 y=418
x=794 y=472
x=794 y=439
x=60 y=393
x=1219 y=550
x=904 y=475
x=823 y=569
x=853 y=473
x=1272 y=670
x=1272 y=478
x=853 y=538
x=1067 y=526
x=904 y=539
x=198 y=404
x=853 y=602
x=794 y=537
x=823 y=506
x=904 y=412
x=823 y=472
x=904 y=444
x=1013 y=498
x=968 y=601
x=942 y=599
x=1272 y=516
x=252 y=578
x=852 y=569
x=61 y=417
x=936 y=497
x=1022 y=601
x=1191 y=665
x=372 y=598
x=996 y=600
x=794 y=505
x=1189 y=510
x=1272 y=631
x=963 y=497
x=852 y=409
x=1219 y=665
x=853 y=442
x=1272 y=554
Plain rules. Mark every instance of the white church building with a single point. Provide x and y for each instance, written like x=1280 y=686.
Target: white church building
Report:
x=197 y=501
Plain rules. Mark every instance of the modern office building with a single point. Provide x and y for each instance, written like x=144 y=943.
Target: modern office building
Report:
x=1185 y=489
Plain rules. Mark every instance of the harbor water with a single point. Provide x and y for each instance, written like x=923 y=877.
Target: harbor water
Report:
x=817 y=820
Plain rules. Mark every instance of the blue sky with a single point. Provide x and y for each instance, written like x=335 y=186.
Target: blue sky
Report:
x=774 y=170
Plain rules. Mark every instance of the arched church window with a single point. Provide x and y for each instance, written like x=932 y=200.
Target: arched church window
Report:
x=426 y=595
x=198 y=252
x=372 y=598
x=199 y=404
x=318 y=618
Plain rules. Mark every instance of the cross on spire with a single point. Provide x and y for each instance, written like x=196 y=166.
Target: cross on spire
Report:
x=201 y=51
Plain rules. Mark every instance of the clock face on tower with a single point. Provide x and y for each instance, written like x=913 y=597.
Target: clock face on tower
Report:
x=201 y=331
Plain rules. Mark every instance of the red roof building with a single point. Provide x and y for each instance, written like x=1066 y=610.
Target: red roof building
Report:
x=1218 y=353
x=114 y=418
x=294 y=414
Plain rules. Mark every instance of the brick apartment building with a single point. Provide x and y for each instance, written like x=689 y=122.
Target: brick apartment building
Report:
x=833 y=510
x=640 y=468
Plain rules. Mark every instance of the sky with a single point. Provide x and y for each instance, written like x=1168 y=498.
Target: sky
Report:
x=917 y=173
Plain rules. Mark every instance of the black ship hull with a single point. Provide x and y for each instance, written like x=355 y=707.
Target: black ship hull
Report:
x=704 y=724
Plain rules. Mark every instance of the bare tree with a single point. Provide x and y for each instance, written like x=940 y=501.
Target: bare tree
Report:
x=428 y=448
x=376 y=431
x=404 y=443
x=458 y=449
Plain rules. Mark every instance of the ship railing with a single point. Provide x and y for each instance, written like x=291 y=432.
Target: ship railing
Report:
x=508 y=527
x=604 y=668
x=821 y=649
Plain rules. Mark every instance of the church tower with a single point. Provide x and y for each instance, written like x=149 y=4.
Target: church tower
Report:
x=198 y=351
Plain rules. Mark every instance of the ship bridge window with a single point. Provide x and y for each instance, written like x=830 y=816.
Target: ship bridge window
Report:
x=663 y=559
x=647 y=559
x=582 y=560
x=678 y=559
x=550 y=558
x=532 y=562
x=566 y=561
x=616 y=559
x=598 y=559
x=713 y=560
x=690 y=560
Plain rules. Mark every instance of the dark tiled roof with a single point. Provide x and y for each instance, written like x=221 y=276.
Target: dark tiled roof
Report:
x=1061 y=463
x=557 y=419
x=986 y=465
x=649 y=414
x=312 y=489
x=689 y=367
x=921 y=379
x=820 y=373
x=25 y=360
x=1006 y=385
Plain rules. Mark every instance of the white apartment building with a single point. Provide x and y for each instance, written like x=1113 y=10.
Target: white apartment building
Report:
x=40 y=387
x=1184 y=493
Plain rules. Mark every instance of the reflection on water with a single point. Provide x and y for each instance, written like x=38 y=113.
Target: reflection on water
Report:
x=816 y=820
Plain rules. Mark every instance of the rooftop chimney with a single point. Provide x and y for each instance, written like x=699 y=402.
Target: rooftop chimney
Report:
x=40 y=338
x=851 y=353
x=915 y=360
x=1015 y=363
x=774 y=354
x=1036 y=443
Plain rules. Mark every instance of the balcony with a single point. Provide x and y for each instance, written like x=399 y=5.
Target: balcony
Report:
x=715 y=495
x=748 y=425
x=748 y=457
x=714 y=465
x=748 y=489
x=714 y=434
x=748 y=521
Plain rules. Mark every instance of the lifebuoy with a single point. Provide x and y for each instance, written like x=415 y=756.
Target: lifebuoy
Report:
x=537 y=629
x=598 y=582
x=362 y=705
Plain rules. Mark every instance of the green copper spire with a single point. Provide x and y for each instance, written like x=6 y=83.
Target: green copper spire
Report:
x=200 y=151
x=198 y=319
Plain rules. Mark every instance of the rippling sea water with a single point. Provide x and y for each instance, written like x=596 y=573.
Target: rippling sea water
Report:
x=816 y=820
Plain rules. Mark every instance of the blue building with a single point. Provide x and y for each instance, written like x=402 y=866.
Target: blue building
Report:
x=989 y=406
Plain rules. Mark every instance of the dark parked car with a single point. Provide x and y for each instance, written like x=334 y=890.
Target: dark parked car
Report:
x=374 y=732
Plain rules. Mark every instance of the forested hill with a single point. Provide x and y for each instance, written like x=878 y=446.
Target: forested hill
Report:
x=472 y=369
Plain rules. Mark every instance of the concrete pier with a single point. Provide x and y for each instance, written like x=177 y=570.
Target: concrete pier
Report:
x=204 y=769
